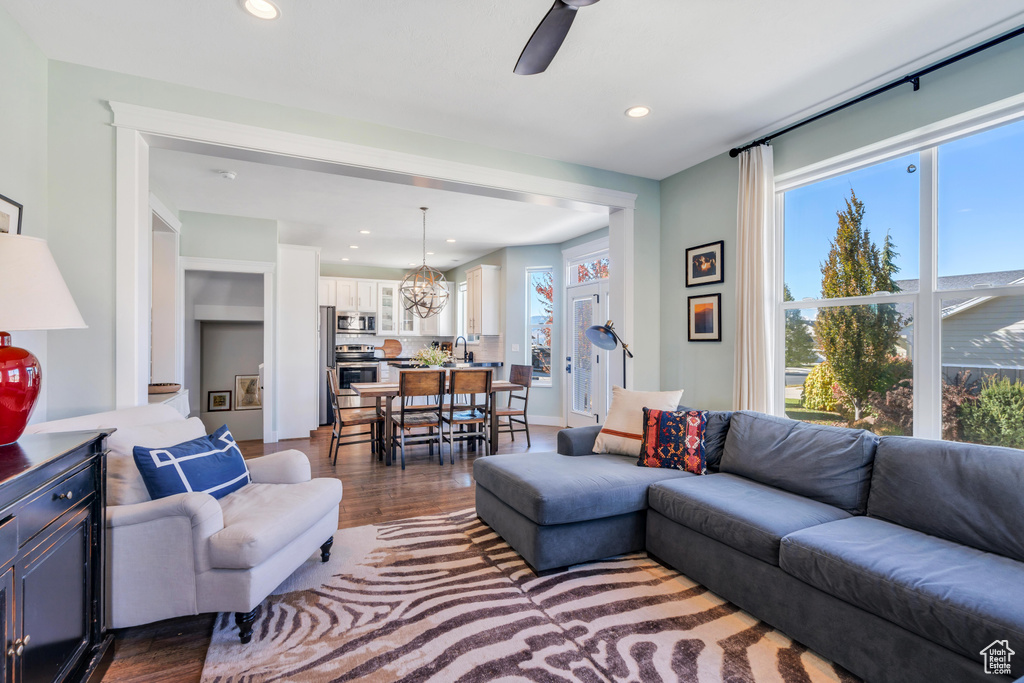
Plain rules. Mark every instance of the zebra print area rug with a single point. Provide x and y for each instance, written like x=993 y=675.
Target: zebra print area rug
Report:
x=444 y=599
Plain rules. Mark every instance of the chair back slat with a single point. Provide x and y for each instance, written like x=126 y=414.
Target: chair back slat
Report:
x=421 y=383
x=474 y=381
x=521 y=375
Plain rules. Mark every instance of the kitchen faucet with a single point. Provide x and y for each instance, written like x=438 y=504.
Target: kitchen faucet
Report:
x=467 y=357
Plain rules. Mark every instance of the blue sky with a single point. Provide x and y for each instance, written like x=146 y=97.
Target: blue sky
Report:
x=981 y=210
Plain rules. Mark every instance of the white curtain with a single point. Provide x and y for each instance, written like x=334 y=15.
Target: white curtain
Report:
x=755 y=282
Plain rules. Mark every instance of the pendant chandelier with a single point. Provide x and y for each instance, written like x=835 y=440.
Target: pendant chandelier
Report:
x=424 y=290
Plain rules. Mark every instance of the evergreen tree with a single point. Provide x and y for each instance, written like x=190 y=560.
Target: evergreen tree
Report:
x=858 y=341
x=799 y=341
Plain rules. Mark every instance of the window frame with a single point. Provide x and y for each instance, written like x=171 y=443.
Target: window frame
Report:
x=927 y=301
x=530 y=326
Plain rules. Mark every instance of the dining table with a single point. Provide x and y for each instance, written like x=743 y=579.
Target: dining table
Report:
x=385 y=391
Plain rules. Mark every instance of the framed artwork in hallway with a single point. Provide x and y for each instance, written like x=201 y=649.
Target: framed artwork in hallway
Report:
x=217 y=401
x=705 y=264
x=247 y=392
x=704 y=318
x=10 y=216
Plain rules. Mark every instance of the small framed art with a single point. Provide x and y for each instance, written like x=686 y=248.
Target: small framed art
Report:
x=705 y=264
x=10 y=216
x=704 y=318
x=217 y=401
x=247 y=392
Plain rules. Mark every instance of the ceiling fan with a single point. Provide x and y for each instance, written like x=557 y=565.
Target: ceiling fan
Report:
x=548 y=36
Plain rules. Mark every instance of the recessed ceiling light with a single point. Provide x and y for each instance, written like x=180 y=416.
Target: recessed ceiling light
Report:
x=449 y=240
x=227 y=175
x=430 y=253
x=344 y=258
x=412 y=263
x=364 y=232
x=638 y=112
x=262 y=9
x=353 y=246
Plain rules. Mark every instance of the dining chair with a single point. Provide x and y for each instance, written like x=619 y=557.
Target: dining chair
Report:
x=413 y=384
x=350 y=416
x=523 y=376
x=472 y=415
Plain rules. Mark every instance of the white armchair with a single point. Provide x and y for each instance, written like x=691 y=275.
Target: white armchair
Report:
x=192 y=553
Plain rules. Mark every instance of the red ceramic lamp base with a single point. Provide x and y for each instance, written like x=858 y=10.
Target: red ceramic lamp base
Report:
x=20 y=380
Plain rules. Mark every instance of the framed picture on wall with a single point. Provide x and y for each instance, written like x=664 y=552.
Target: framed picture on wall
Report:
x=10 y=216
x=217 y=401
x=705 y=264
x=247 y=392
x=704 y=318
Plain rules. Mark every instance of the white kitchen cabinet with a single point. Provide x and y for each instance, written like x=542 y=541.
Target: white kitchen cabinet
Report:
x=483 y=306
x=387 y=308
x=441 y=324
x=346 y=294
x=408 y=324
x=366 y=296
x=326 y=292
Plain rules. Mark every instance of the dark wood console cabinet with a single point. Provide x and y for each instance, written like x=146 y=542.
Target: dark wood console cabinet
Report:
x=51 y=559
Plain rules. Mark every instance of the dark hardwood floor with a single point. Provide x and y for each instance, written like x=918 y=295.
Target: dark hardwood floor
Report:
x=173 y=651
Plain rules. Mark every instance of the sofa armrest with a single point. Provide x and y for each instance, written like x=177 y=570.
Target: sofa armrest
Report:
x=578 y=440
x=285 y=467
x=202 y=510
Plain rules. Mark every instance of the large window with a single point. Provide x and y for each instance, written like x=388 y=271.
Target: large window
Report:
x=902 y=293
x=540 y=319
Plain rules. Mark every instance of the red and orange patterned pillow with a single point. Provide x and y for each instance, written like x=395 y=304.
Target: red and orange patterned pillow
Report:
x=674 y=440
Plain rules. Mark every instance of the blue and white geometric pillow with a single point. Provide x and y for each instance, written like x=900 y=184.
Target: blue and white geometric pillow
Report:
x=210 y=464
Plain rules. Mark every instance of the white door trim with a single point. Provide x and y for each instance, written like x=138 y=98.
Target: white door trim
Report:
x=139 y=127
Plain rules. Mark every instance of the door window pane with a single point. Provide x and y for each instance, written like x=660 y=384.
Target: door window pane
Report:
x=582 y=356
x=588 y=269
x=983 y=370
x=879 y=201
x=980 y=213
x=851 y=366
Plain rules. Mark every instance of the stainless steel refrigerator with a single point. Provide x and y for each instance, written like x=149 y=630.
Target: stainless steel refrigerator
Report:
x=328 y=330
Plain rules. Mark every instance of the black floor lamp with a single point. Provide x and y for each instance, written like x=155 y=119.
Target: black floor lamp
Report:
x=605 y=337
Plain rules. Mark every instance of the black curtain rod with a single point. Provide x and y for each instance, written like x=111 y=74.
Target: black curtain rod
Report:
x=913 y=78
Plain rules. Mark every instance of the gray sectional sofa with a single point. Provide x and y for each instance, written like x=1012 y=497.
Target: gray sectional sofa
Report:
x=900 y=559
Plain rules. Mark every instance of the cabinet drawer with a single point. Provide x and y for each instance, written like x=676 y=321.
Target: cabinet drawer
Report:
x=53 y=502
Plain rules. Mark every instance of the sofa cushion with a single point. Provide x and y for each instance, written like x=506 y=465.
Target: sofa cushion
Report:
x=829 y=464
x=953 y=595
x=743 y=514
x=557 y=489
x=715 y=431
x=124 y=481
x=674 y=440
x=260 y=519
x=622 y=431
x=962 y=492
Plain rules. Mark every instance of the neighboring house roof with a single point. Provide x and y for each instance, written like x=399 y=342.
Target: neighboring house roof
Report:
x=954 y=306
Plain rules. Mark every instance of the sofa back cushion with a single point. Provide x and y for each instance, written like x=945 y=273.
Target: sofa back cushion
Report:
x=715 y=432
x=829 y=464
x=119 y=419
x=966 y=493
x=124 y=481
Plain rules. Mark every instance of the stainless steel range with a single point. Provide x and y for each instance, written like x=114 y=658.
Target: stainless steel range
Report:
x=356 y=364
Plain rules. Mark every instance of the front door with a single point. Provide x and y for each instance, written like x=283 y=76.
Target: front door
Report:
x=585 y=364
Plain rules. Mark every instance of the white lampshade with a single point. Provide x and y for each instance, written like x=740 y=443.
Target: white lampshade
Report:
x=33 y=295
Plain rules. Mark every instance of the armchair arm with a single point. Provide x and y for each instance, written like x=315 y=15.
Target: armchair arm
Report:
x=578 y=440
x=201 y=509
x=285 y=467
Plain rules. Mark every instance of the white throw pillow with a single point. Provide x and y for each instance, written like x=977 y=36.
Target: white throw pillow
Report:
x=622 y=432
x=124 y=482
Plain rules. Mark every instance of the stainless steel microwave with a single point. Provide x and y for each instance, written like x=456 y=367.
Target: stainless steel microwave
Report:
x=357 y=323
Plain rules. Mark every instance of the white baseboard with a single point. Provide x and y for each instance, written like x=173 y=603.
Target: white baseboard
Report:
x=547 y=420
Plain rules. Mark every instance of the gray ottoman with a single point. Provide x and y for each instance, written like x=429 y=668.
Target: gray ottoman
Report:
x=560 y=510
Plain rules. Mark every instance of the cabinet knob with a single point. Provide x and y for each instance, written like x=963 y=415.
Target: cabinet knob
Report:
x=18 y=646
x=66 y=496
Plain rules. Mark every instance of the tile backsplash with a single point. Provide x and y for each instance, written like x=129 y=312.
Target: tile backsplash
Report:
x=490 y=348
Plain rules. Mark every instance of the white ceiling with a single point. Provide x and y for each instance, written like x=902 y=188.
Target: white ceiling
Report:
x=715 y=72
x=328 y=211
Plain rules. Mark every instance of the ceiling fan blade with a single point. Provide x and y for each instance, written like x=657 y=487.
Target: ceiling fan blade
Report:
x=546 y=39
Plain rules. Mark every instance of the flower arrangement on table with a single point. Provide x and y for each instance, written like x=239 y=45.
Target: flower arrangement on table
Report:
x=432 y=356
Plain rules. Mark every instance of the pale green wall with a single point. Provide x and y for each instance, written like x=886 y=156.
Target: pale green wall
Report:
x=583 y=239
x=82 y=204
x=367 y=272
x=23 y=156
x=211 y=235
x=698 y=205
